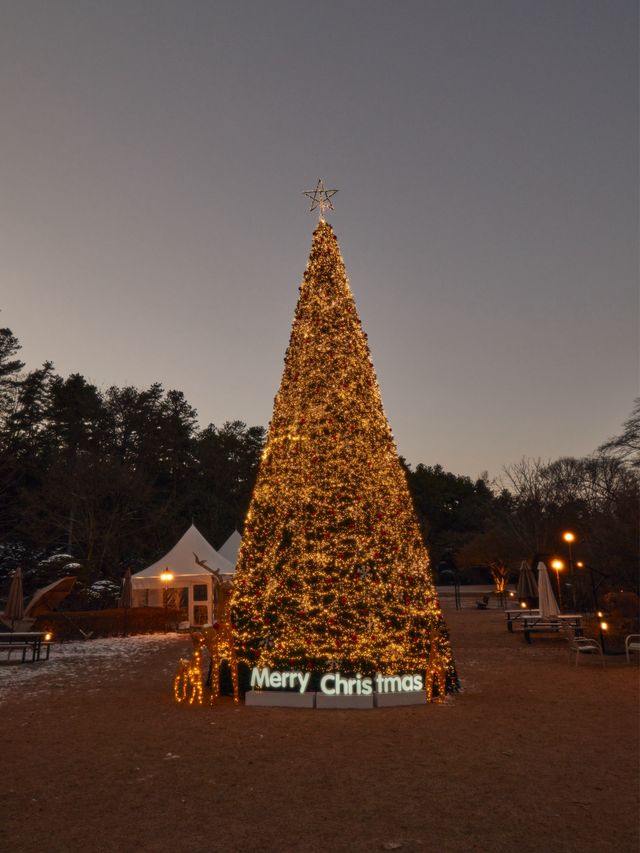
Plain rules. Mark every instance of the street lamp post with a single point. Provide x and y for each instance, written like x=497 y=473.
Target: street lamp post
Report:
x=557 y=566
x=570 y=538
x=603 y=626
x=580 y=565
x=166 y=577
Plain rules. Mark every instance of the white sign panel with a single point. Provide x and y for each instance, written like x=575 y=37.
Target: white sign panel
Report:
x=335 y=684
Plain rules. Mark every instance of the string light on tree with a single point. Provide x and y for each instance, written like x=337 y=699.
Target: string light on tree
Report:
x=332 y=565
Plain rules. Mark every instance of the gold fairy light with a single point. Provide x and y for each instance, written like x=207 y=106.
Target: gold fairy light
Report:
x=219 y=643
x=188 y=682
x=332 y=564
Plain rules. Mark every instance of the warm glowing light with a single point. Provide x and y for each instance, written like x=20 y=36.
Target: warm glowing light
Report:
x=218 y=641
x=511 y=594
x=557 y=565
x=48 y=637
x=523 y=604
x=332 y=574
x=604 y=626
x=187 y=685
x=166 y=576
x=580 y=564
x=569 y=536
x=600 y=614
x=334 y=684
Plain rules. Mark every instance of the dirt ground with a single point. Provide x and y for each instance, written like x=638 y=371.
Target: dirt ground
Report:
x=535 y=754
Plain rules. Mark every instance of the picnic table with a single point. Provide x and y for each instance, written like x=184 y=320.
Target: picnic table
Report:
x=550 y=624
x=517 y=614
x=31 y=645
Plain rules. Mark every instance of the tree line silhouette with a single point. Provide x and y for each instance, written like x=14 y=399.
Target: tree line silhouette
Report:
x=108 y=479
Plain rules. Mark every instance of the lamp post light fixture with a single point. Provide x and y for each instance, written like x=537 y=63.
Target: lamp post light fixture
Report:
x=166 y=577
x=558 y=566
x=569 y=538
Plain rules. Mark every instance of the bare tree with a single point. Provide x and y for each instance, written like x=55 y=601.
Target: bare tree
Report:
x=627 y=445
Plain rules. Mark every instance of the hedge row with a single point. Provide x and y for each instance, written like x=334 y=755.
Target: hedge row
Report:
x=78 y=625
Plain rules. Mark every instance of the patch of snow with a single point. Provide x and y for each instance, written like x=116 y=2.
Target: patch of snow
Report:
x=69 y=661
x=57 y=558
x=103 y=587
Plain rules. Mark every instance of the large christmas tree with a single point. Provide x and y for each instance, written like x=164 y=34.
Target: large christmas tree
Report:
x=333 y=572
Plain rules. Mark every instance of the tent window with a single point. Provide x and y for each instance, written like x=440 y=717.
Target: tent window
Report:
x=200 y=592
x=200 y=614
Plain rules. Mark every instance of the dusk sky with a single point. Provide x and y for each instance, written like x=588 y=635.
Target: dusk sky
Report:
x=153 y=227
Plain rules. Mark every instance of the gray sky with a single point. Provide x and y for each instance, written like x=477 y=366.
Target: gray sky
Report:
x=152 y=226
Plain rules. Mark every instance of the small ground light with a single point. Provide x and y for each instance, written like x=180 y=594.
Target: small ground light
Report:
x=523 y=604
x=604 y=626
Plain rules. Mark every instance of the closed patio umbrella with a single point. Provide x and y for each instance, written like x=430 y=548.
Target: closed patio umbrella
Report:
x=547 y=600
x=527 y=587
x=15 y=603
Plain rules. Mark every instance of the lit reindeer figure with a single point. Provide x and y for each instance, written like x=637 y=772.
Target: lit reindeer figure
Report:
x=187 y=685
x=219 y=638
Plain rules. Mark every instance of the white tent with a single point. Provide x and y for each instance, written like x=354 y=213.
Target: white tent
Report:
x=231 y=548
x=192 y=561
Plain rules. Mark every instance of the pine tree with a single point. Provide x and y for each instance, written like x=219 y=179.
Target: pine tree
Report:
x=333 y=572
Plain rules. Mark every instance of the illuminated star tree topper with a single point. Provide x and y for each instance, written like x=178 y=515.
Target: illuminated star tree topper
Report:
x=320 y=198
